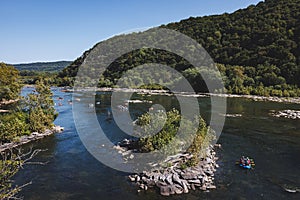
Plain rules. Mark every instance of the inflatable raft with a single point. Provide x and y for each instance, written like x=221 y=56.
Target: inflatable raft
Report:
x=246 y=166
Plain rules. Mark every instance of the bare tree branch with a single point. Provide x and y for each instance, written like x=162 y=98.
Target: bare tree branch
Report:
x=10 y=163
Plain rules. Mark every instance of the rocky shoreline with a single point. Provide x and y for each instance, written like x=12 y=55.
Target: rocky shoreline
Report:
x=7 y=102
x=290 y=114
x=171 y=177
x=295 y=100
x=29 y=138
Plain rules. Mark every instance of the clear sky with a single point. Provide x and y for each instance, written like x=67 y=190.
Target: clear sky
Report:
x=51 y=30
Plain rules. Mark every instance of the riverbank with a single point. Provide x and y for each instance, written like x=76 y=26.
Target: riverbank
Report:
x=29 y=138
x=295 y=100
x=7 y=102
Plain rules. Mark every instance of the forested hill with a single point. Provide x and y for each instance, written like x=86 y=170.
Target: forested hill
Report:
x=267 y=34
x=43 y=66
x=257 y=49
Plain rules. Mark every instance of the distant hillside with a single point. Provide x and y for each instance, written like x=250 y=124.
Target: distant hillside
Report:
x=43 y=66
x=257 y=50
x=265 y=34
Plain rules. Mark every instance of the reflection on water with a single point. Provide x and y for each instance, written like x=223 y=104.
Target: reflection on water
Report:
x=72 y=173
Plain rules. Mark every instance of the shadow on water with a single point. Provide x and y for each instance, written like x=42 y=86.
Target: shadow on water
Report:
x=72 y=173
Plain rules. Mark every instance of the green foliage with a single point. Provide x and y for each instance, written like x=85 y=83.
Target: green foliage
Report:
x=42 y=66
x=183 y=166
x=32 y=72
x=31 y=77
x=9 y=82
x=267 y=34
x=13 y=125
x=9 y=166
x=41 y=108
x=262 y=81
x=33 y=114
x=168 y=124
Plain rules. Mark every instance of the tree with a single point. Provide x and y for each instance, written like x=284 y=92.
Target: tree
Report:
x=10 y=86
x=41 y=107
x=10 y=163
x=151 y=122
x=13 y=125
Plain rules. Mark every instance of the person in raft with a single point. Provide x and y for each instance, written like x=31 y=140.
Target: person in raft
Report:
x=242 y=160
x=245 y=161
x=248 y=161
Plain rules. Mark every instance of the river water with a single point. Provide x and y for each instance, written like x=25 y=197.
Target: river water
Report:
x=72 y=173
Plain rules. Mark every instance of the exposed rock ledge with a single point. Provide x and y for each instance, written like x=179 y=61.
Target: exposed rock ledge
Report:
x=176 y=180
x=290 y=114
x=28 y=138
x=231 y=115
x=295 y=100
x=7 y=102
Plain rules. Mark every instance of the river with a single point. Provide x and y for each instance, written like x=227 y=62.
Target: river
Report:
x=72 y=173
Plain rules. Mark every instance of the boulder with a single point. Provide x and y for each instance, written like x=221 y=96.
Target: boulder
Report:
x=160 y=184
x=169 y=179
x=131 y=178
x=142 y=186
x=172 y=189
x=193 y=187
x=203 y=188
x=189 y=175
x=150 y=183
x=178 y=189
x=185 y=186
x=176 y=179
x=162 y=177
x=144 y=179
x=165 y=190
x=155 y=177
x=137 y=178
x=211 y=187
x=197 y=181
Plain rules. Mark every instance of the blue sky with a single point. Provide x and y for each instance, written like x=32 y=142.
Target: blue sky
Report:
x=51 y=30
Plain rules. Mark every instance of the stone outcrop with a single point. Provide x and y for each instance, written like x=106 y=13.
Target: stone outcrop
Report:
x=290 y=114
x=180 y=180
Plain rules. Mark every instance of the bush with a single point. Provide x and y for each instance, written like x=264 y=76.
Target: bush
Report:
x=150 y=123
x=12 y=126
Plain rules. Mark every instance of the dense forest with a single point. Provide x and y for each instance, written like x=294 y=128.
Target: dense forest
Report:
x=257 y=50
x=43 y=66
x=31 y=72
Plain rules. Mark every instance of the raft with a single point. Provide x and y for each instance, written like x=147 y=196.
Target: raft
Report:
x=251 y=165
x=245 y=166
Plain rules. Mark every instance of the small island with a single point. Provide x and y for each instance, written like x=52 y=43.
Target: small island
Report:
x=188 y=169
